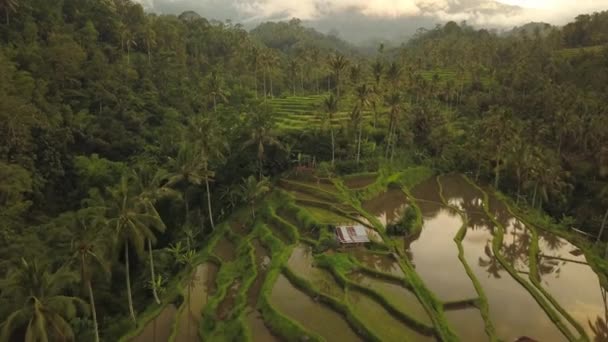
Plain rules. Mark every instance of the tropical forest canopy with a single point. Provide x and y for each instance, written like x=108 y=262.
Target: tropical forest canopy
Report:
x=124 y=133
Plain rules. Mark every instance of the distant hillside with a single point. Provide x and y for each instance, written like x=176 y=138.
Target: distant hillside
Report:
x=530 y=29
x=291 y=36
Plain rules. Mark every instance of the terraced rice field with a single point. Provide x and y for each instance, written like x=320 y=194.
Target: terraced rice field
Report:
x=471 y=273
x=307 y=113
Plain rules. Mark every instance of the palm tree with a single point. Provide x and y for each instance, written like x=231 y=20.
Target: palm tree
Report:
x=149 y=37
x=363 y=94
x=292 y=68
x=393 y=74
x=215 y=87
x=252 y=190
x=133 y=219
x=212 y=146
x=604 y=200
x=377 y=71
x=330 y=104
x=261 y=136
x=394 y=103
x=45 y=312
x=9 y=6
x=254 y=59
x=153 y=187
x=188 y=168
x=91 y=247
x=355 y=74
x=338 y=63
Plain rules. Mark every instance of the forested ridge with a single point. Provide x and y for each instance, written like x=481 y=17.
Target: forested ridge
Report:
x=127 y=137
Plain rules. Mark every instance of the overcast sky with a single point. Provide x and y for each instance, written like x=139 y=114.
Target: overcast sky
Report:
x=406 y=13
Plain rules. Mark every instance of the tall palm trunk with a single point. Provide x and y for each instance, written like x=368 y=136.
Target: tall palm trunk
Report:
x=264 y=77
x=93 y=310
x=255 y=80
x=333 y=144
x=152 y=275
x=90 y=293
x=209 y=203
x=271 y=88
x=599 y=236
x=128 y=279
x=359 y=142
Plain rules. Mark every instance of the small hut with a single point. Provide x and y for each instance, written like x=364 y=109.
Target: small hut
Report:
x=352 y=235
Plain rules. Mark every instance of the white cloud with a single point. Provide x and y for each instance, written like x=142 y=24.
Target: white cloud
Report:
x=480 y=12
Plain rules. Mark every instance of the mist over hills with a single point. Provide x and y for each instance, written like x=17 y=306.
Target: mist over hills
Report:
x=361 y=22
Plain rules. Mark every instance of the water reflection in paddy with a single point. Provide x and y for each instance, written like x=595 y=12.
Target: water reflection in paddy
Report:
x=301 y=262
x=312 y=315
x=572 y=283
x=380 y=321
x=387 y=206
x=467 y=324
x=513 y=310
x=435 y=254
x=159 y=329
x=201 y=286
x=377 y=261
x=400 y=297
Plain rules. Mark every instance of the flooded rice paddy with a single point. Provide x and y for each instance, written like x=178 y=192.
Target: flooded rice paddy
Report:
x=512 y=311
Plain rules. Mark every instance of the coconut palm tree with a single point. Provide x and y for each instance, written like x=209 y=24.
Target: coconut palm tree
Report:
x=377 y=71
x=215 y=88
x=261 y=136
x=255 y=57
x=604 y=200
x=338 y=64
x=252 y=190
x=394 y=103
x=363 y=95
x=393 y=74
x=149 y=37
x=188 y=169
x=91 y=247
x=212 y=145
x=134 y=220
x=152 y=187
x=292 y=68
x=330 y=104
x=355 y=74
x=45 y=311
x=9 y=6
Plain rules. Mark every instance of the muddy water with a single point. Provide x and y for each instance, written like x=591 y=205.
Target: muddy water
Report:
x=402 y=298
x=379 y=262
x=380 y=321
x=227 y=304
x=467 y=324
x=159 y=329
x=435 y=254
x=258 y=329
x=572 y=283
x=427 y=191
x=225 y=249
x=360 y=181
x=312 y=315
x=201 y=287
x=517 y=237
x=301 y=262
x=388 y=206
x=513 y=310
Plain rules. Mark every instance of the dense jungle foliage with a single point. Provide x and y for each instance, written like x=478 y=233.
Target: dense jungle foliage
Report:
x=124 y=134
